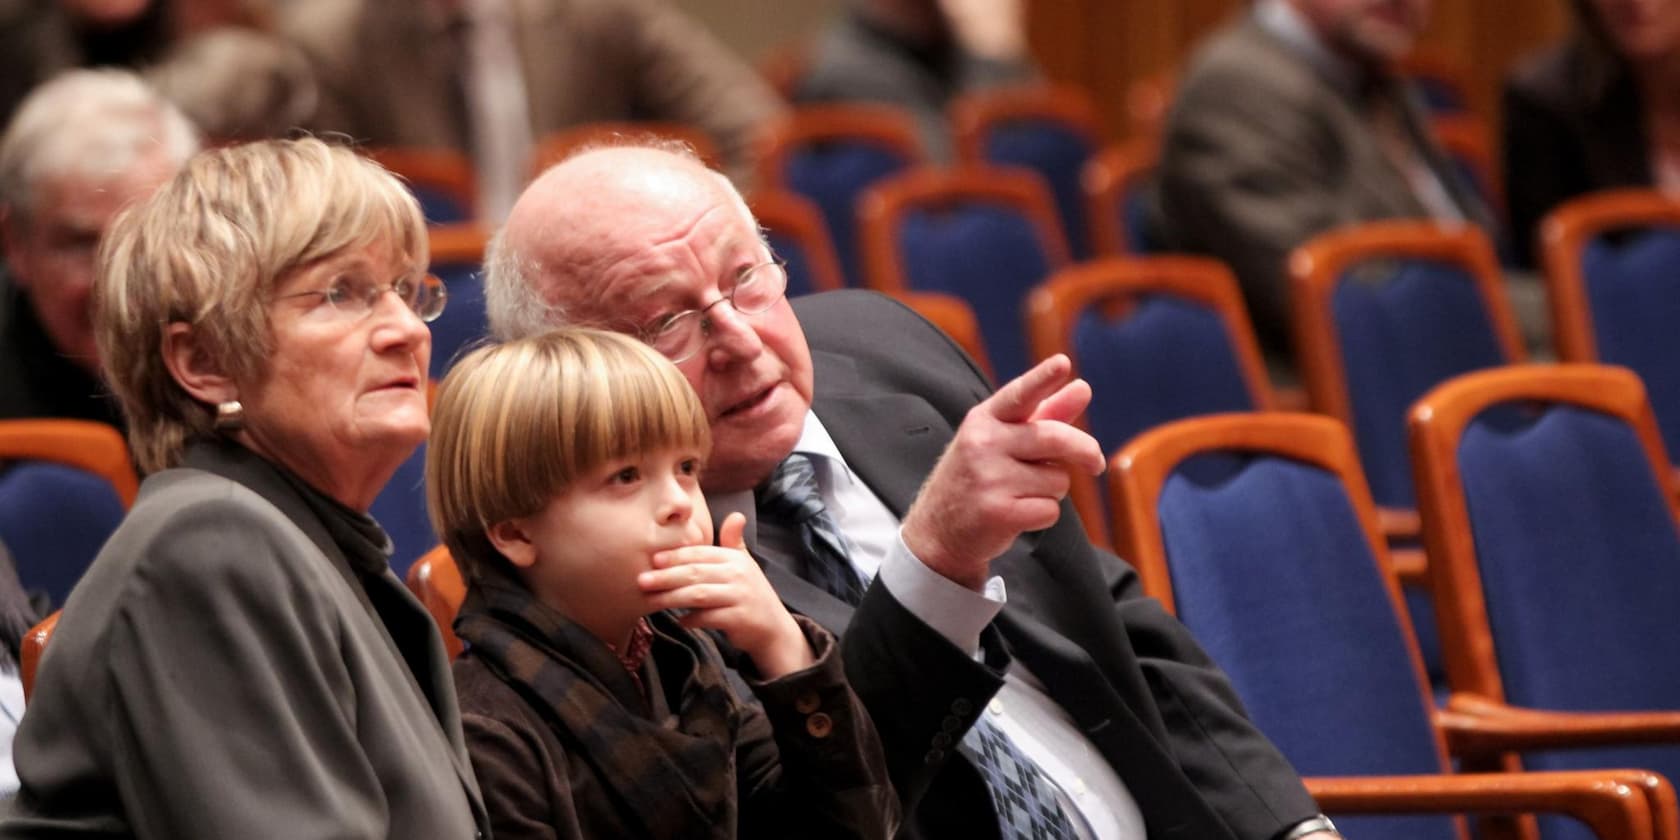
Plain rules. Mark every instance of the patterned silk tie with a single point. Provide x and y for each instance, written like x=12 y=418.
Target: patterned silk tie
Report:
x=790 y=497
x=1027 y=808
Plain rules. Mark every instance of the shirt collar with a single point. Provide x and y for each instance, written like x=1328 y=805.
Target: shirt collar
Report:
x=1283 y=21
x=813 y=440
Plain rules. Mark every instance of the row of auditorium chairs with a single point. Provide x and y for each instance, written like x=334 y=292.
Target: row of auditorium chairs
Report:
x=1383 y=312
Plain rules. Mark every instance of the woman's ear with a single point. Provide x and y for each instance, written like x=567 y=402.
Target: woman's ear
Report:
x=193 y=368
x=513 y=540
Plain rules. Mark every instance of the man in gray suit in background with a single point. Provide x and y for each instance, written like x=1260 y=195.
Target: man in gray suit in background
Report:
x=1290 y=122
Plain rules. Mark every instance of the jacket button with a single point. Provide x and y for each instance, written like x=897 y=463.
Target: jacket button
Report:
x=941 y=740
x=961 y=707
x=933 y=756
x=819 y=725
x=951 y=723
x=806 y=702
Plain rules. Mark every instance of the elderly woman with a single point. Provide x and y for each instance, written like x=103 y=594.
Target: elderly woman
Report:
x=240 y=661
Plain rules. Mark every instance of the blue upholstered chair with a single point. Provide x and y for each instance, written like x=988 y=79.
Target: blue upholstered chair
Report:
x=1158 y=338
x=64 y=487
x=1442 y=83
x=1382 y=313
x=458 y=260
x=1610 y=261
x=1554 y=545
x=1115 y=183
x=830 y=154
x=794 y=229
x=1051 y=130
x=985 y=235
x=441 y=179
x=1257 y=530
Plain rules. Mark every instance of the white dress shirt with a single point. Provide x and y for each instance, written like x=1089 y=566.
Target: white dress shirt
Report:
x=1092 y=794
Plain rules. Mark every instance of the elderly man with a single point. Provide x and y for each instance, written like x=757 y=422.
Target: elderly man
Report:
x=79 y=149
x=1290 y=122
x=892 y=497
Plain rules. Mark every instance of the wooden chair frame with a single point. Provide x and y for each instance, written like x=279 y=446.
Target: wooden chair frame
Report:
x=1564 y=235
x=1107 y=175
x=1316 y=269
x=1435 y=427
x=975 y=115
x=30 y=651
x=445 y=170
x=794 y=216
x=553 y=147
x=1136 y=476
x=436 y=580
x=93 y=447
x=883 y=206
x=877 y=125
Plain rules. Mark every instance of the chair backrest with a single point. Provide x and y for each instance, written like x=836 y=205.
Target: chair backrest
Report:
x=555 y=146
x=830 y=154
x=1554 y=545
x=441 y=179
x=794 y=228
x=1609 y=261
x=1236 y=522
x=1115 y=182
x=1158 y=338
x=952 y=315
x=437 y=582
x=34 y=646
x=458 y=260
x=1382 y=313
x=985 y=235
x=64 y=487
x=1049 y=129
x=400 y=508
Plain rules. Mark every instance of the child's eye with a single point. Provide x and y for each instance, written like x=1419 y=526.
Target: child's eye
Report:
x=689 y=466
x=627 y=475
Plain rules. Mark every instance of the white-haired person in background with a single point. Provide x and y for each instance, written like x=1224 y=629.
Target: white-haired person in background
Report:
x=81 y=147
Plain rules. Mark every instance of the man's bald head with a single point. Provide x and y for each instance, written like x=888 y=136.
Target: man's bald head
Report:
x=562 y=231
x=634 y=239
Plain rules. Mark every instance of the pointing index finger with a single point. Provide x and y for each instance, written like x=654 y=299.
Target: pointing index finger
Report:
x=1018 y=399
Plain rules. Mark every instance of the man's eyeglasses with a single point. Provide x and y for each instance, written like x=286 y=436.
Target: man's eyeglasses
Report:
x=682 y=335
x=351 y=299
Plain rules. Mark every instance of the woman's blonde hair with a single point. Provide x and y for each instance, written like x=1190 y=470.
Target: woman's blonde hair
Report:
x=515 y=424
x=209 y=248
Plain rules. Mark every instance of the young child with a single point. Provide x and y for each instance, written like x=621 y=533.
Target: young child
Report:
x=563 y=475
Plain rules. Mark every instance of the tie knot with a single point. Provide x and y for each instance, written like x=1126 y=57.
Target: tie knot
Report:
x=791 y=491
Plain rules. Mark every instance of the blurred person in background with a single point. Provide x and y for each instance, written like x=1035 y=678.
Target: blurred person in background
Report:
x=82 y=147
x=1600 y=110
x=1289 y=122
x=919 y=55
x=492 y=77
x=240 y=661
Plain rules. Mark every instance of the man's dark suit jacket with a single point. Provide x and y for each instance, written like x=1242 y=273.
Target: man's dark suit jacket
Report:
x=891 y=390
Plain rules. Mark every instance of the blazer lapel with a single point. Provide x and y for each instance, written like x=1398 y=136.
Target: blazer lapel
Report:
x=890 y=440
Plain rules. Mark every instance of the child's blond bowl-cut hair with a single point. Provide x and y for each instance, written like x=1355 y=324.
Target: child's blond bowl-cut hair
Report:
x=516 y=423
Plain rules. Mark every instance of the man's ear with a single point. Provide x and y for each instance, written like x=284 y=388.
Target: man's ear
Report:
x=193 y=368
x=513 y=540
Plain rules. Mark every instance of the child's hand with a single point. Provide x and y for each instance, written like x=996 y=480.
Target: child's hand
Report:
x=723 y=589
